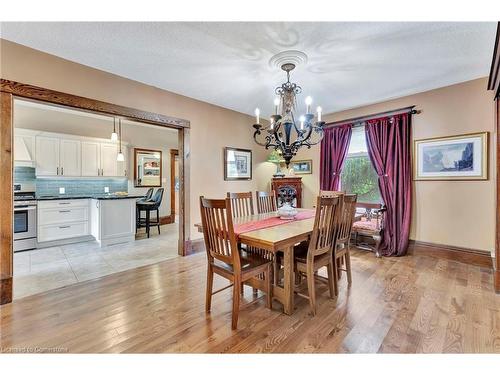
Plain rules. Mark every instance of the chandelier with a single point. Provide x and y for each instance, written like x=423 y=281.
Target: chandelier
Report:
x=285 y=133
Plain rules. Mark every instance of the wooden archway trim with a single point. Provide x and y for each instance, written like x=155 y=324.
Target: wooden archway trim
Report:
x=8 y=91
x=92 y=105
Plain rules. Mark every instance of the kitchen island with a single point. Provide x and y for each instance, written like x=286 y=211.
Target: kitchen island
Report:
x=113 y=220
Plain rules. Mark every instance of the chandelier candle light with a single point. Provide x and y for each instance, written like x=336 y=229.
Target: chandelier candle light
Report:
x=283 y=133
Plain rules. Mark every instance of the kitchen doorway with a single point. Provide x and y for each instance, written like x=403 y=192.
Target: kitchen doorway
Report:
x=51 y=144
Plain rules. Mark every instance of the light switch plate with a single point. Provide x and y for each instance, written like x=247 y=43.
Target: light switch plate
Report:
x=62 y=190
x=106 y=189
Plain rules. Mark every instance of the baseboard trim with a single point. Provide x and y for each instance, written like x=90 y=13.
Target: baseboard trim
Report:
x=461 y=254
x=195 y=246
x=170 y=219
x=5 y=290
x=496 y=282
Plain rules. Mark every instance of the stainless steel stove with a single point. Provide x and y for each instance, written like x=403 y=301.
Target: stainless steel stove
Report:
x=24 y=217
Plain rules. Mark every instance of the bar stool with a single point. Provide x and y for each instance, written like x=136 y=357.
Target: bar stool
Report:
x=152 y=205
x=146 y=198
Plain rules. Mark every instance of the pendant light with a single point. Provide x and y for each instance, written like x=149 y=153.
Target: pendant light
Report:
x=114 y=136
x=120 y=156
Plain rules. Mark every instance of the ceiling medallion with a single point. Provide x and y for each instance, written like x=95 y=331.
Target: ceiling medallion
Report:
x=285 y=133
x=288 y=57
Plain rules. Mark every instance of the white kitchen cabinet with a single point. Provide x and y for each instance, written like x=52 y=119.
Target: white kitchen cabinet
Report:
x=113 y=220
x=70 y=158
x=109 y=165
x=91 y=158
x=63 y=219
x=47 y=156
x=122 y=166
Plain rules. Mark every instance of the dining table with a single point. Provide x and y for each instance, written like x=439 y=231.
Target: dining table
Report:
x=279 y=236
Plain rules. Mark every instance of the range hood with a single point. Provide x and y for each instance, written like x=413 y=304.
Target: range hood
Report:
x=23 y=156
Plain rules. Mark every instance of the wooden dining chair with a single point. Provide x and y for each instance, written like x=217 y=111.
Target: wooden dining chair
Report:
x=266 y=202
x=318 y=253
x=224 y=258
x=330 y=193
x=342 y=253
x=241 y=204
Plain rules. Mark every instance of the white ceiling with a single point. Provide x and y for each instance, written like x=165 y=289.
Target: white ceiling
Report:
x=227 y=64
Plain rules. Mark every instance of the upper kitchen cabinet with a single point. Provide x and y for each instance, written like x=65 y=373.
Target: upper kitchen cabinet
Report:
x=91 y=158
x=74 y=156
x=47 y=156
x=58 y=157
x=70 y=158
x=109 y=165
x=122 y=166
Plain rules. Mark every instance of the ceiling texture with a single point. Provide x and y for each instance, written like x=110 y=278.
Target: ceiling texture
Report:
x=349 y=64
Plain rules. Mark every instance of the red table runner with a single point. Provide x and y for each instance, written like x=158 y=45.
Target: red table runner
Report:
x=270 y=222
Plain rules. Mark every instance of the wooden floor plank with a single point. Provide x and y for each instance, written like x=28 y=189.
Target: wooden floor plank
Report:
x=410 y=304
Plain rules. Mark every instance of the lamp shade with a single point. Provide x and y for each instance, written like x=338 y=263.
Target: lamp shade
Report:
x=275 y=157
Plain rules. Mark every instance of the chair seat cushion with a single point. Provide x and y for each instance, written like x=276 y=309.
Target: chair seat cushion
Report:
x=365 y=225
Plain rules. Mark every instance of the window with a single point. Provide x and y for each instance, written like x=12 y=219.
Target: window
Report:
x=358 y=175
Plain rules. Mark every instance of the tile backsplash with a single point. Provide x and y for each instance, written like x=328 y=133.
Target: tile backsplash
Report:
x=50 y=186
x=24 y=174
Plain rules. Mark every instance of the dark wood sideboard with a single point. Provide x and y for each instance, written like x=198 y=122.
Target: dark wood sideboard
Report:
x=295 y=182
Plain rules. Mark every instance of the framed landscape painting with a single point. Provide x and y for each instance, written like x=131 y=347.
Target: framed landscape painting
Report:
x=302 y=166
x=462 y=157
x=237 y=164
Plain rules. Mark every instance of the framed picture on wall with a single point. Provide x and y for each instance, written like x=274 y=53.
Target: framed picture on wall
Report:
x=460 y=157
x=301 y=166
x=237 y=164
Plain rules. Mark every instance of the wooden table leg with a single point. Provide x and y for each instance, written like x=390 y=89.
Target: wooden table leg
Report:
x=288 y=280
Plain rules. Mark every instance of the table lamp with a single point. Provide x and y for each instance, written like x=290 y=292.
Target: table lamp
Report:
x=276 y=158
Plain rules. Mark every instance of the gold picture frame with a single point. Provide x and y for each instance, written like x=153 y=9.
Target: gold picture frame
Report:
x=301 y=166
x=453 y=158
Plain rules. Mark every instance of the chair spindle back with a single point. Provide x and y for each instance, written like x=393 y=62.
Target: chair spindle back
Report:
x=218 y=230
x=266 y=202
x=241 y=204
x=328 y=212
x=347 y=218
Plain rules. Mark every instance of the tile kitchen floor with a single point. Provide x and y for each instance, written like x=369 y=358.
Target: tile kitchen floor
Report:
x=40 y=270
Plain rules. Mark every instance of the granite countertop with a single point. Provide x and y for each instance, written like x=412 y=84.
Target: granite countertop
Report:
x=87 y=196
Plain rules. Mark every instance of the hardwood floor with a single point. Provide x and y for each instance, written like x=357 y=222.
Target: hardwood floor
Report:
x=409 y=304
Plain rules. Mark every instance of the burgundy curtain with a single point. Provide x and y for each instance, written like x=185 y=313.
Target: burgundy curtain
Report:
x=334 y=148
x=389 y=148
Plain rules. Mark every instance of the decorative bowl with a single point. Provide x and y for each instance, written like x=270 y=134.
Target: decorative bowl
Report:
x=287 y=212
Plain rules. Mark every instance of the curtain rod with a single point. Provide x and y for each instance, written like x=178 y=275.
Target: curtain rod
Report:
x=361 y=119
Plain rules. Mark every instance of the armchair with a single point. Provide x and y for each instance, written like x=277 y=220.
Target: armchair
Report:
x=370 y=225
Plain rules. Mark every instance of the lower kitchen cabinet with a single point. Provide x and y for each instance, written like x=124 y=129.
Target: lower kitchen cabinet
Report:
x=63 y=219
x=113 y=220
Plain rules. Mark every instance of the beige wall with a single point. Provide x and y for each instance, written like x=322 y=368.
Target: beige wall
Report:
x=212 y=127
x=458 y=213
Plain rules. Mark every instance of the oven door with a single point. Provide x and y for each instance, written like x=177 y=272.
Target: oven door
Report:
x=24 y=222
